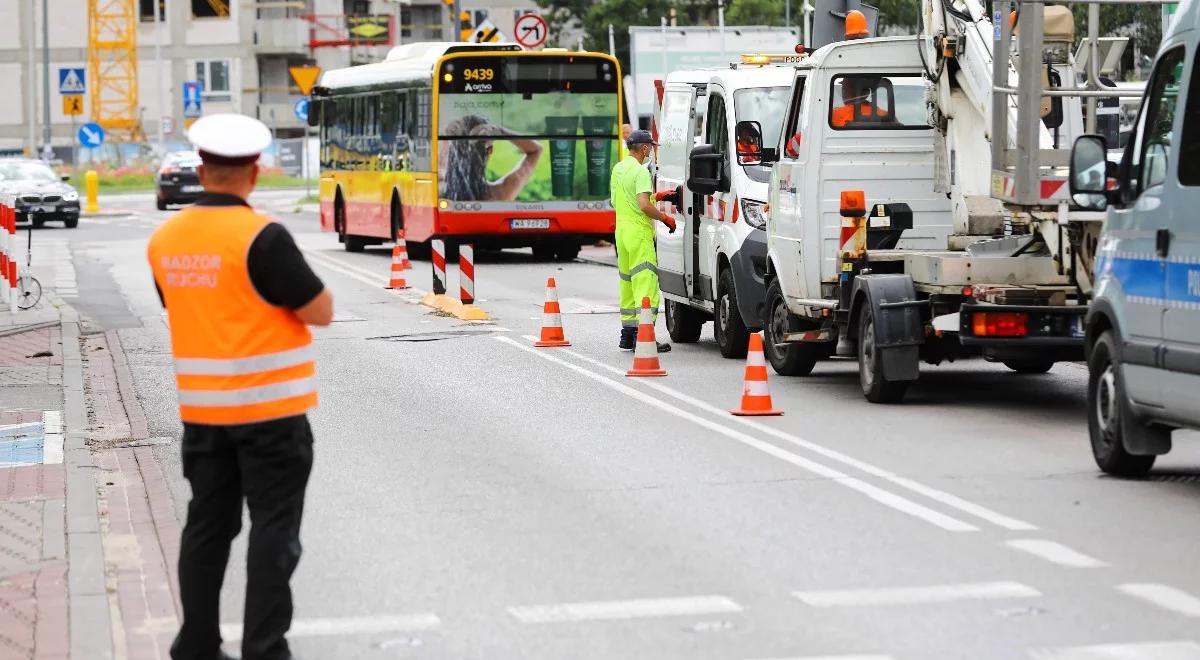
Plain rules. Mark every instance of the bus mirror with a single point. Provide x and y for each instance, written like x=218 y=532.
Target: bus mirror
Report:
x=314 y=112
x=704 y=172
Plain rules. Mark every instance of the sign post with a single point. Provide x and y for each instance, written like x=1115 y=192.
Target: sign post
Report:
x=531 y=31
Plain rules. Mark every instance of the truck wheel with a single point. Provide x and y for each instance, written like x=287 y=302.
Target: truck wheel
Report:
x=728 y=329
x=870 y=364
x=787 y=359
x=1108 y=411
x=683 y=323
x=1029 y=366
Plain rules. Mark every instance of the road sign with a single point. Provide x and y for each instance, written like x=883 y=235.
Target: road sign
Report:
x=191 y=98
x=91 y=135
x=301 y=109
x=531 y=30
x=305 y=77
x=168 y=125
x=486 y=33
x=72 y=81
x=72 y=104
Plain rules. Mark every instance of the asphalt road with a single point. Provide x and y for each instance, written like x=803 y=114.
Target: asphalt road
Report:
x=474 y=497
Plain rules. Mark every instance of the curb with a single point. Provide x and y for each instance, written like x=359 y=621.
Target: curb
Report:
x=443 y=303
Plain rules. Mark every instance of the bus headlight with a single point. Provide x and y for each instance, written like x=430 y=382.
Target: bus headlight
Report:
x=443 y=204
x=754 y=213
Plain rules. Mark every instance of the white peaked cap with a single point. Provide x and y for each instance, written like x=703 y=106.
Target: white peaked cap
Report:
x=230 y=137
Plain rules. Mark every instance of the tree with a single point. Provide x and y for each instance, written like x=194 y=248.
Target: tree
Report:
x=759 y=12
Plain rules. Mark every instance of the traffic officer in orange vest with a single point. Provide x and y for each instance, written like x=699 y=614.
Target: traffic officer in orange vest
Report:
x=239 y=298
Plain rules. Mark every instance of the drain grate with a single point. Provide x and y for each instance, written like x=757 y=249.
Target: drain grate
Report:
x=437 y=335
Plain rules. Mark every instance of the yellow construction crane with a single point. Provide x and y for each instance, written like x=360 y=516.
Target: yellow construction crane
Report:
x=112 y=67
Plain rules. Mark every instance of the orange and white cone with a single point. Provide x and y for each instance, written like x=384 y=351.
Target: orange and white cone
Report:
x=756 y=399
x=645 y=353
x=401 y=248
x=552 y=330
x=399 y=258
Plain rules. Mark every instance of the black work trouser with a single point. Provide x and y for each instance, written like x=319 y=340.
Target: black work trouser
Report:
x=267 y=464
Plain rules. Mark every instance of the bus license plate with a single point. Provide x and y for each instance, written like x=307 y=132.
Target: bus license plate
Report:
x=529 y=223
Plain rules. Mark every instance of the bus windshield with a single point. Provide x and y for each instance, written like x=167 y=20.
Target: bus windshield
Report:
x=536 y=128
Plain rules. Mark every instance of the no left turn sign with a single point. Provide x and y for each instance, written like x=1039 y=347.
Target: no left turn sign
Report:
x=531 y=30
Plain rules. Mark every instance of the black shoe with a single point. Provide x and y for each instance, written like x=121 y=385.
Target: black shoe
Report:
x=628 y=338
x=664 y=348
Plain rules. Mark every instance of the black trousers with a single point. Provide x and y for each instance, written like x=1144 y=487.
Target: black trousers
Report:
x=267 y=464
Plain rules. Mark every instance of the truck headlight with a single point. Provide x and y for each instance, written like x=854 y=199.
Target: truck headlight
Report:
x=70 y=196
x=754 y=213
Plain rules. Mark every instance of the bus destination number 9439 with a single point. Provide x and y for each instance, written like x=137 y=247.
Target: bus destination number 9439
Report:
x=480 y=75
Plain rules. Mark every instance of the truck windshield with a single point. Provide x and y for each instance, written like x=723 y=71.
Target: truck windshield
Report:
x=767 y=106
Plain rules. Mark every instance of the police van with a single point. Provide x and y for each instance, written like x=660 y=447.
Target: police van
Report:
x=1143 y=326
x=712 y=267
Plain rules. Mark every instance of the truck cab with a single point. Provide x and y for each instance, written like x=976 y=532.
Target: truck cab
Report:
x=1143 y=327
x=712 y=266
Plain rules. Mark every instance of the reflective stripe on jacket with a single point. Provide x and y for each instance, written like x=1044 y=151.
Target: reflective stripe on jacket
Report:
x=238 y=359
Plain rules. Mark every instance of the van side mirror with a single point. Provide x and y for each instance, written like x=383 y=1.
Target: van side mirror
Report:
x=704 y=170
x=749 y=143
x=1089 y=173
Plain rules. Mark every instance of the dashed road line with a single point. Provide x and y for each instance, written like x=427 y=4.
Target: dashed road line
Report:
x=353 y=625
x=1180 y=650
x=1055 y=553
x=938 y=593
x=950 y=500
x=1168 y=598
x=887 y=498
x=613 y=610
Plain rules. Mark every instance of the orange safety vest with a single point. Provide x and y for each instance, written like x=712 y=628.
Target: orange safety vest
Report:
x=238 y=359
x=844 y=114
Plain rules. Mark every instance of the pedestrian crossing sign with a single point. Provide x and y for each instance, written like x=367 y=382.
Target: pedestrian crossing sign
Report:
x=72 y=81
x=191 y=109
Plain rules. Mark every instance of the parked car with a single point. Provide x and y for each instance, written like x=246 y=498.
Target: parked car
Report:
x=178 y=181
x=41 y=194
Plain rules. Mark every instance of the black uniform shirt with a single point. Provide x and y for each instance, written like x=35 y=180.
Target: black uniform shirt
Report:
x=277 y=269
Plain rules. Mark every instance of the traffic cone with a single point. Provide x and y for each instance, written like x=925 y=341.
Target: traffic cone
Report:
x=552 y=330
x=399 y=259
x=645 y=353
x=756 y=399
x=401 y=248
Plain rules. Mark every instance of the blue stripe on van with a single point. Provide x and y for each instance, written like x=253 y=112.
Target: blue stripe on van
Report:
x=1173 y=281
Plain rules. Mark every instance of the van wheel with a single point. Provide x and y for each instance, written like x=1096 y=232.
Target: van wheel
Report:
x=1108 y=413
x=683 y=323
x=728 y=329
x=1029 y=366
x=787 y=359
x=870 y=364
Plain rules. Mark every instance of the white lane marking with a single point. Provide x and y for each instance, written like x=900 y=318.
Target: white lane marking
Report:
x=941 y=496
x=1055 y=553
x=1138 y=651
x=351 y=625
x=354 y=272
x=611 y=610
x=872 y=491
x=1168 y=598
x=835 y=657
x=938 y=593
x=52 y=437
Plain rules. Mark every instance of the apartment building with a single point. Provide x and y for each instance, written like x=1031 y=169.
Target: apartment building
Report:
x=238 y=50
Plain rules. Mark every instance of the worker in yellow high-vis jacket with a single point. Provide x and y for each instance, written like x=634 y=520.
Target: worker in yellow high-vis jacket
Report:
x=637 y=264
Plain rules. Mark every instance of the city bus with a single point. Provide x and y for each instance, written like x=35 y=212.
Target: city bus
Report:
x=471 y=143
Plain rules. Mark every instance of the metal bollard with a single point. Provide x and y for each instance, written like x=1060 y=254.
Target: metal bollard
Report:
x=91 y=185
x=438 y=261
x=466 y=273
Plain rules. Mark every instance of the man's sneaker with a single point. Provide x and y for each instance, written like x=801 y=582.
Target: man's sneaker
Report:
x=664 y=347
x=628 y=338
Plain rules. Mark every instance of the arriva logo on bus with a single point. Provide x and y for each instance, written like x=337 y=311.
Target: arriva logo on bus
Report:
x=477 y=87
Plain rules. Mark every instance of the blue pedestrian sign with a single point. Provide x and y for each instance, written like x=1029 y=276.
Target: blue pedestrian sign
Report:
x=72 y=81
x=301 y=109
x=191 y=98
x=91 y=135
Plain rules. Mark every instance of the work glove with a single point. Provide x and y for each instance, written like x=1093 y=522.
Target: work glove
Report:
x=669 y=222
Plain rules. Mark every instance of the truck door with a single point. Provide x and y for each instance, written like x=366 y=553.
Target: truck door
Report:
x=1181 y=323
x=676 y=129
x=787 y=208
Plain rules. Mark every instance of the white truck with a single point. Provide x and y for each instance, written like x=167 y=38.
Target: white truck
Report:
x=942 y=268
x=713 y=266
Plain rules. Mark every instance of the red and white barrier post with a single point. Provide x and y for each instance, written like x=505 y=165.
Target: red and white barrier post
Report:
x=4 y=251
x=12 y=256
x=439 y=266
x=466 y=273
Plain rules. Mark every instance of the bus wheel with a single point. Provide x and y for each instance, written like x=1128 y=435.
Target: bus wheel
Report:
x=350 y=243
x=566 y=251
x=544 y=252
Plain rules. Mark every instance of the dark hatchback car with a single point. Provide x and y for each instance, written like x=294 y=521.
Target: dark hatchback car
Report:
x=41 y=194
x=178 y=181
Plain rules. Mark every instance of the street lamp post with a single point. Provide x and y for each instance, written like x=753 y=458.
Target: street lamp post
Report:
x=47 y=151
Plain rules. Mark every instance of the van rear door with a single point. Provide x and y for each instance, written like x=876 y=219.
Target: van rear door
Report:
x=675 y=130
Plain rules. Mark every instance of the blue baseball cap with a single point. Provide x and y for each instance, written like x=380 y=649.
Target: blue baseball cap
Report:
x=640 y=136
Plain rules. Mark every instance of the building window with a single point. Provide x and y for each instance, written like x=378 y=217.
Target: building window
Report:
x=214 y=80
x=146 y=10
x=208 y=8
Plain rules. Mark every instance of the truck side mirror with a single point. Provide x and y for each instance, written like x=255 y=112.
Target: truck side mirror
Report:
x=749 y=143
x=1089 y=173
x=704 y=171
